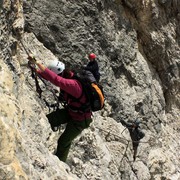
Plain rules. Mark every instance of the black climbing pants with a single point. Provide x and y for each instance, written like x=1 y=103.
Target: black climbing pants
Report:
x=72 y=130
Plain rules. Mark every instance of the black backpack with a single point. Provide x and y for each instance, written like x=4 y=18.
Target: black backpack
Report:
x=92 y=90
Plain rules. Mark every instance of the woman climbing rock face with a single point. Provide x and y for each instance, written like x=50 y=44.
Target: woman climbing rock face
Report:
x=93 y=67
x=76 y=121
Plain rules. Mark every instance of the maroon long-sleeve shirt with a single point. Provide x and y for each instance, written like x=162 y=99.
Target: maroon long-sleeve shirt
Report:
x=69 y=86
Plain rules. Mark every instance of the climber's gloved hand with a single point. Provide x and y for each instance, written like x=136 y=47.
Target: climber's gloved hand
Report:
x=32 y=59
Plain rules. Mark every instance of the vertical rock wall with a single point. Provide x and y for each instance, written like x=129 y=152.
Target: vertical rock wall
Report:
x=137 y=44
x=22 y=153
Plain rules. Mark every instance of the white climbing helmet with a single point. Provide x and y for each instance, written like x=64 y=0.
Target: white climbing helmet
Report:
x=56 y=66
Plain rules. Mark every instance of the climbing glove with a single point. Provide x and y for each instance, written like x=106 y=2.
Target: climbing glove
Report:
x=32 y=59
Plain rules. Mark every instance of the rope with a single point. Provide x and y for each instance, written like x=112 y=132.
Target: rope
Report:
x=135 y=144
x=36 y=76
x=119 y=136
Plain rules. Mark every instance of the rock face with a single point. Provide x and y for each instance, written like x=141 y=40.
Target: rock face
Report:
x=137 y=45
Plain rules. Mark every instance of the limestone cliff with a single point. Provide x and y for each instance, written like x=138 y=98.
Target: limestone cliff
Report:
x=137 y=44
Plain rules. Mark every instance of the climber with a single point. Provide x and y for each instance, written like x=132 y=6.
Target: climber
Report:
x=93 y=67
x=134 y=127
x=135 y=133
x=76 y=121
